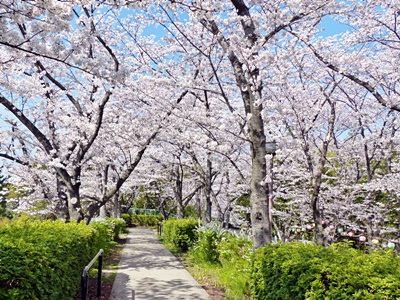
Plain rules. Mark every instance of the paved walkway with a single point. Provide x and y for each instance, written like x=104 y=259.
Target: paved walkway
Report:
x=149 y=271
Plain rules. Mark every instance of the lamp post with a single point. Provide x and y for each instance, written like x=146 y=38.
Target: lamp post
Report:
x=270 y=148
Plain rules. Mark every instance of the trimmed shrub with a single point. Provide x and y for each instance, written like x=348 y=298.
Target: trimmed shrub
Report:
x=43 y=259
x=146 y=220
x=308 y=271
x=180 y=233
x=109 y=228
x=128 y=219
x=118 y=225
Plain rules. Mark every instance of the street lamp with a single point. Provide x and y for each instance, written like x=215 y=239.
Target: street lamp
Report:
x=270 y=148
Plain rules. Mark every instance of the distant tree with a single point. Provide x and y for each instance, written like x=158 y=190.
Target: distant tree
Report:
x=3 y=194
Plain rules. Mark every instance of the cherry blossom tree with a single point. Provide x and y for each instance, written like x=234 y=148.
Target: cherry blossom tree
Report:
x=59 y=109
x=246 y=35
x=365 y=57
x=182 y=96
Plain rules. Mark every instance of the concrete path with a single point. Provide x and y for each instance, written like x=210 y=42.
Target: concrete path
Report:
x=149 y=271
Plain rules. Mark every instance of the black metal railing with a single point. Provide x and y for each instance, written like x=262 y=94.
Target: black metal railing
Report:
x=160 y=228
x=85 y=275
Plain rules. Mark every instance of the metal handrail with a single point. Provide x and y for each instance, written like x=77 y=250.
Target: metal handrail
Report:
x=160 y=228
x=85 y=275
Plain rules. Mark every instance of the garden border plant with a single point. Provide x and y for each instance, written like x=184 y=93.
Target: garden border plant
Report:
x=216 y=257
x=312 y=272
x=44 y=259
x=182 y=234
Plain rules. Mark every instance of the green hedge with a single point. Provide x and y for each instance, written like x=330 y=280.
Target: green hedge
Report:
x=180 y=233
x=307 y=271
x=118 y=225
x=146 y=220
x=43 y=259
x=109 y=228
x=128 y=219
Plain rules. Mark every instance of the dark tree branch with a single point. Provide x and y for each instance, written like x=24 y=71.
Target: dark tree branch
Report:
x=60 y=86
x=14 y=159
x=352 y=77
x=28 y=124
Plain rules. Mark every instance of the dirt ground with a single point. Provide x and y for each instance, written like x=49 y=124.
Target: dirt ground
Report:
x=109 y=264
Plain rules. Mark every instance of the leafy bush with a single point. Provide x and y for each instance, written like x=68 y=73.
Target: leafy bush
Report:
x=109 y=228
x=190 y=212
x=308 y=271
x=105 y=232
x=43 y=259
x=223 y=257
x=235 y=248
x=180 y=233
x=146 y=220
x=205 y=248
x=235 y=252
x=118 y=225
x=128 y=219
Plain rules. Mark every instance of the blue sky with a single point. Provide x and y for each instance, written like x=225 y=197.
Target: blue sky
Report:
x=332 y=27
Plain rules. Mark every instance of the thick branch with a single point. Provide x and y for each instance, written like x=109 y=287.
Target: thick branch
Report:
x=235 y=62
x=14 y=159
x=99 y=122
x=355 y=79
x=28 y=124
x=60 y=86
x=125 y=175
x=189 y=197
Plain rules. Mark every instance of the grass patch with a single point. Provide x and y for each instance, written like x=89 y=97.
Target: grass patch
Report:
x=228 y=276
x=232 y=281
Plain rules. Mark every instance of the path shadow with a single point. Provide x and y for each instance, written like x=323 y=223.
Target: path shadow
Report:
x=121 y=285
x=150 y=271
x=166 y=289
x=146 y=251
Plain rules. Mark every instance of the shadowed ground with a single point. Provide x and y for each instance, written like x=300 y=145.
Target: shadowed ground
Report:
x=149 y=271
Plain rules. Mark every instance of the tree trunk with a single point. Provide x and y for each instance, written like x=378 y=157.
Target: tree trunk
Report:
x=74 y=206
x=259 y=197
x=178 y=193
x=227 y=218
x=207 y=192
x=61 y=205
x=198 y=203
x=180 y=211
x=320 y=238
x=116 y=212
x=207 y=210
x=208 y=172
x=250 y=88
x=103 y=212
